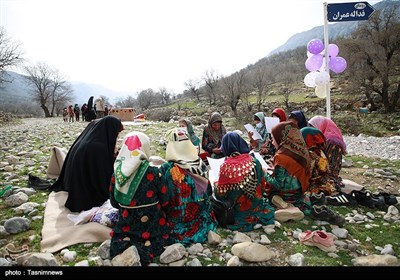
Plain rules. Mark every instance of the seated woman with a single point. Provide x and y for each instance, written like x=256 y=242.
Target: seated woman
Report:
x=259 y=121
x=186 y=124
x=241 y=180
x=189 y=211
x=336 y=147
x=298 y=118
x=268 y=149
x=320 y=180
x=291 y=166
x=139 y=193
x=292 y=172
x=279 y=113
x=212 y=135
x=88 y=165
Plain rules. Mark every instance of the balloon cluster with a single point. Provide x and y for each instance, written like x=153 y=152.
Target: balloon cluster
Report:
x=315 y=63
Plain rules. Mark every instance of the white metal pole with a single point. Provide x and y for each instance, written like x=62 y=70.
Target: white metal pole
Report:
x=326 y=43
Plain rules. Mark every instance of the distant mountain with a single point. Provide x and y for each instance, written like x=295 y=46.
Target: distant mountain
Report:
x=336 y=30
x=83 y=91
x=17 y=90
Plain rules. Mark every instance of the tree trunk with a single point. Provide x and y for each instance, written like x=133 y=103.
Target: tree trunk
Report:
x=45 y=110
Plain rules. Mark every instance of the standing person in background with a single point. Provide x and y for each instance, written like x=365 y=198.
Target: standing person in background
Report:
x=88 y=165
x=76 y=112
x=212 y=136
x=187 y=125
x=90 y=111
x=336 y=147
x=71 y=114
x=189 y=212
x=241 y=180
x=298 y=118
x=106 y=111
x=83 y=110
x=139 y=192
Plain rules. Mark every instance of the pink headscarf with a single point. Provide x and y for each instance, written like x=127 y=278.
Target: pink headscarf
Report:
x=332 y=133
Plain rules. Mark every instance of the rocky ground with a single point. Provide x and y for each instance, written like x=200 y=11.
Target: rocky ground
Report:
x=25 y=149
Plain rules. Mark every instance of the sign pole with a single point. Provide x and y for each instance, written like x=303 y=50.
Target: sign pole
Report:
x=326 y=43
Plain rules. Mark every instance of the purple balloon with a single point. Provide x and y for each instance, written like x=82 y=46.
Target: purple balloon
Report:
x=333 y=50
x=337 y=64
x=313 y=63
x=315 y=46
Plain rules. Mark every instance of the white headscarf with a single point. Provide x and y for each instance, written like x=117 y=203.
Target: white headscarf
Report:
x=131 y=165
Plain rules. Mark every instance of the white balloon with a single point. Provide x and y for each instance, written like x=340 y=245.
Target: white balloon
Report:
x=309 y=79
x=320 y=91
x=322 y=78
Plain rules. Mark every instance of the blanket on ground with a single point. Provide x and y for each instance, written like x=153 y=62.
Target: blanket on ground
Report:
x=59 y=232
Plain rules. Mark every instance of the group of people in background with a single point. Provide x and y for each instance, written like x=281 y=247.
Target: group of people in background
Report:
x=94 y=109
x=171 y=203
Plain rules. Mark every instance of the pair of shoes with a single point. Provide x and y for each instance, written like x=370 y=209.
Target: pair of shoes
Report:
x=318 y=238
x=318 y=199
x=366 y=198
x=280 y=203
x=290 y=213
x=324 y=213
x=341 y=199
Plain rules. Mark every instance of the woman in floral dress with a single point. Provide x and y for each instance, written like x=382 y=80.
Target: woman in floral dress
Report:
x=189 y=212
x=139 y=192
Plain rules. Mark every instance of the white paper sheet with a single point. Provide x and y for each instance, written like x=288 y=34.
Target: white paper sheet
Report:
x=215 y=165
x=270 y=122
x=264 y=165
x=251 y=128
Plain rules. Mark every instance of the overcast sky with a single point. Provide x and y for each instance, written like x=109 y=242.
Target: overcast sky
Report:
x=132 y=45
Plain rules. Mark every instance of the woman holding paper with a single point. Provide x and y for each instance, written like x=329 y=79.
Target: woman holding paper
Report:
x=257 y=142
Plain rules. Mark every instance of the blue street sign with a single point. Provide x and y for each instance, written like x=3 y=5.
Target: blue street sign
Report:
x=353 y=11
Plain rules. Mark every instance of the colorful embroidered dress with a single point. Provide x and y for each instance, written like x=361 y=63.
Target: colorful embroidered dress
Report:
x=189 y=211
x=241 y=179
x=336 y=145
x=139 y=192
x=291 y=175
x=320 y=180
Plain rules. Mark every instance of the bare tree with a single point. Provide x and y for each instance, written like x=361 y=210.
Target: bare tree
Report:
x=50 y=88
x=211 y=80
x=262 y=77
x=145 y=98
x=193 y=88
x=165 y=95
x=234 y=87
x=10 y=54
x=288 y=79
x=373 y=55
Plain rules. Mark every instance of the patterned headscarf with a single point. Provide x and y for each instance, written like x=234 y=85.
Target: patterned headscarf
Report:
x=215 y=136
x=314 y=138
x=292 y=153
x=131 y=165
x=261 y=117
x=184 y=154
x=300 y=117
x=332 y=133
